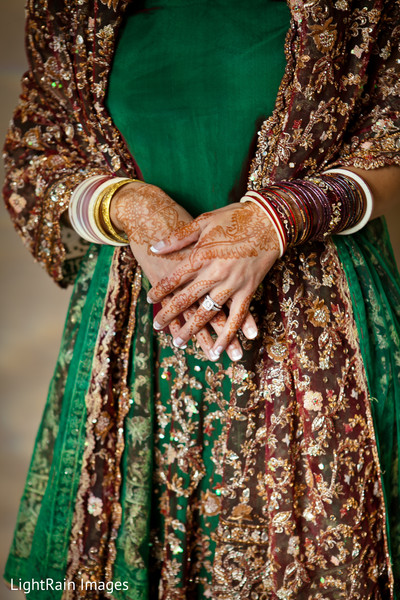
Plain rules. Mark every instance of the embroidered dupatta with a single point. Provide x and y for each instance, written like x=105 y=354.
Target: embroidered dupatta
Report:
x=338 y=104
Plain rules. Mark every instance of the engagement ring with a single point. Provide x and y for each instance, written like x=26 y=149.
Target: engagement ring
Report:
x=209 y=304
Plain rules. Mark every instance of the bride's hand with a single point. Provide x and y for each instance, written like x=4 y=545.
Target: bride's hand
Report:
x=234 y=248
x=147 y=215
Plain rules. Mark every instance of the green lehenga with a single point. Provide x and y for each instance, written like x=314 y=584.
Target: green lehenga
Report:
x=189 y=112
x=374 y=284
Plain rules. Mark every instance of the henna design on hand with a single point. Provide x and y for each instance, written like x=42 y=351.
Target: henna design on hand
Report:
x=147 y=214
x=245 y=235
x=202 y=316
x=206 y=342
x=183 y=300
x=236 y=245
x=235 y=232
x=233 y=323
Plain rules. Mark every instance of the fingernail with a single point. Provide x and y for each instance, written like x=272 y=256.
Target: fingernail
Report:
x=218 y=350
x=149 y=300
x=213 y=355
x=251 y=333
x=236 y=354
x=157 y=325
x=178 y=342
x=157 y=247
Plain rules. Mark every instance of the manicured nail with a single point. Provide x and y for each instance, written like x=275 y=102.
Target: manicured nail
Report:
x=213 y=355
x=252 y=333
x=236 y=354
x=178 y=342
x=218 y=350
x=157 y=325
x=149 y=300
x=157 y=247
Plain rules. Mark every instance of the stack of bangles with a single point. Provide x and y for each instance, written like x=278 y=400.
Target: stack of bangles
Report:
x=300 y=210
x=89 y=210
x=336 y=202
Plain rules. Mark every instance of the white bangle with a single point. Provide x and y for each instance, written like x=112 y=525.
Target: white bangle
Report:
x=75 y=208
x=259 y=200
x=82 y=208
x=369 y=201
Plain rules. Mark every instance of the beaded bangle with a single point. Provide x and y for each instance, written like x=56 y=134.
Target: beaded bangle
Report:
x=269 y=210
x=277 y=201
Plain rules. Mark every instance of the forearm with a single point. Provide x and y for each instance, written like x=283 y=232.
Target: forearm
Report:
x=337 y=201
x=385 y=187
x=124 y=194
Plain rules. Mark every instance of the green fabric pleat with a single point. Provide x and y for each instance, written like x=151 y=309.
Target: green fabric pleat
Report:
x=42 y=535
x=374 y=284
x=131 y=564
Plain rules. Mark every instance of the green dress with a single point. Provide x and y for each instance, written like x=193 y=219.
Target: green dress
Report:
x=190 y=85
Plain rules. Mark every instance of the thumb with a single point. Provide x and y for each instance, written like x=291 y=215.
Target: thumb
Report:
x=178 y=239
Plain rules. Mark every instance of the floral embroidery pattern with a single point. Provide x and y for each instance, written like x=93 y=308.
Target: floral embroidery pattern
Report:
x=327 y=109
x=295 y=477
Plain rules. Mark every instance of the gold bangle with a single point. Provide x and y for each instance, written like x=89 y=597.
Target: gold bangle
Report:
x=102 y=212
x=98 y=221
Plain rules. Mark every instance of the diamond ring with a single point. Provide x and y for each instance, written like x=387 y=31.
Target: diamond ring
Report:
x=209 y=304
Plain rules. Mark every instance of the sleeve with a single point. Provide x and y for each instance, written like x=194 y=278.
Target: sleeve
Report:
x=339 y=101
x=48 y=148
x=373 y=138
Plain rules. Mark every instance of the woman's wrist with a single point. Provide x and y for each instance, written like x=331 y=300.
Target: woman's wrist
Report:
x=267 y=216
x=336 y=202
x=123 y=196
x=89 y=209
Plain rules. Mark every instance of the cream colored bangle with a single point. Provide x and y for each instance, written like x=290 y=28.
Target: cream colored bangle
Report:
x=79 y=208
x=369 y=200
x=86 y=210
